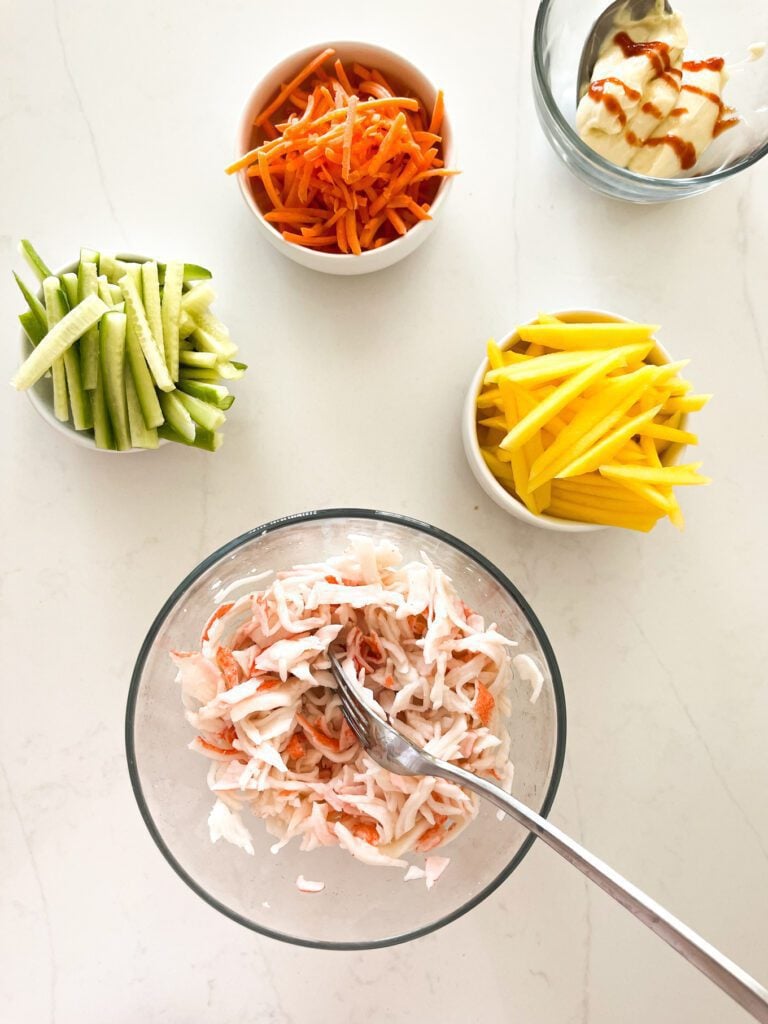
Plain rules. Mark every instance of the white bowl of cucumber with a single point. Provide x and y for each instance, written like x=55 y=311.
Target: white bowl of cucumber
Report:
x=122 y=354
x=417 y=214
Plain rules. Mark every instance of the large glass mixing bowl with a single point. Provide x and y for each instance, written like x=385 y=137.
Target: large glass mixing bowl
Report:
x=361 y=906
x=715 y=29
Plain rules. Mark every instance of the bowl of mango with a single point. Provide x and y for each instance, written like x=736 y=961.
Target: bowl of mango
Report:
x=578 y=420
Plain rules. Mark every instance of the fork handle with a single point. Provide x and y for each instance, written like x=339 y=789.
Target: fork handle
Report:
x=739 y=985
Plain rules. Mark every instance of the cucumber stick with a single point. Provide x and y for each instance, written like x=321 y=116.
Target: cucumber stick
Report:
x=142 y=436
x=56 y=308
x=214 y=394
x=58 y=340
x=209 y=442
x=87 y=284
x=103 y=289
x=82 y=414
x=208 y=343
x=177 y=416
x=111 y=268
x=197 y=373
x=207 y=360
x=112 y=361
x=191 y=272
x=171 y=314
x=231 y=371
x=35 y=305
x=151 y=294
x=198 y=299
x=142 y=378
x=31 y=255
x=31 y=327
x=204 y=415
x=102 y=428
x=69 y=285
x=135 y=308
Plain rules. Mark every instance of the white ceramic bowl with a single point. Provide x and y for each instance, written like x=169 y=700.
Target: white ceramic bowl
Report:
x=41 y=394
x=483 y=475
x=388 y=63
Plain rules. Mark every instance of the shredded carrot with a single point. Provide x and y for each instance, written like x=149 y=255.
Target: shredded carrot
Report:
x=342 y=162
x=436 y=120
x=286 y=91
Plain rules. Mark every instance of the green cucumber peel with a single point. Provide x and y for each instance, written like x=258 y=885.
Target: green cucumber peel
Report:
x=206 y=416
x=87 y=284
x=112 y=353
x=171 y=313
x=142 y=436
x=191 y=272
x=206 y=360
x=142 y=378
x=35 y=261
x=135 y=308
x=102 y=428
x=151 y=295
x=56 y=310
x=33 y=302
x=203 y=439
x=177 y=416
x=31 y=327
x=214 y=394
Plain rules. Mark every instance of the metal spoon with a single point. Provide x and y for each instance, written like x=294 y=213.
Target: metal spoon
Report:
x=395 y=753
x=632 y=10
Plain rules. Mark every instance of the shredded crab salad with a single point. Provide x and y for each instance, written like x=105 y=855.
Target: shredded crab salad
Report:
x=260 y=694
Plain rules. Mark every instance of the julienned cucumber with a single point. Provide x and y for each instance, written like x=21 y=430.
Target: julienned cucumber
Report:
x=171 y=312
x=142 y=436
x=31 y=255
x=209 y=442
x=177 y=416
x=149 y=346
x=55 y=306
x=112 y=352
x=87 y=284
x=111 y=335
x=214 y=394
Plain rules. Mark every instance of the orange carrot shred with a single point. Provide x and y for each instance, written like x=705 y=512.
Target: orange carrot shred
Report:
x=286 y=91
x=437 y=113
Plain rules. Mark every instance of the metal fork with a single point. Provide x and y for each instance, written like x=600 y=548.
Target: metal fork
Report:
x=395 y=753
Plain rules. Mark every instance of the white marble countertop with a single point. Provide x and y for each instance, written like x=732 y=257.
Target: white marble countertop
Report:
x=117 y=119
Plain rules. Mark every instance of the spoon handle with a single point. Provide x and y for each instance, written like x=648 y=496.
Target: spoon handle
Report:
x=739 y=985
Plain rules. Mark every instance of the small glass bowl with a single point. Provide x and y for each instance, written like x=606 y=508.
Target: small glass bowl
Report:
x=714 y=29
x=361 y=907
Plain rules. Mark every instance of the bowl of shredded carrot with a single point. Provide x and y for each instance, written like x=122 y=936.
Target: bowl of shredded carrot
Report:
x=344 y=155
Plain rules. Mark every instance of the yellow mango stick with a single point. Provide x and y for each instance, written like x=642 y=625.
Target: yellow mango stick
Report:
x=664 y=433
x=605 y=449
x=629 y=520
x=526 y=427
x=488 y=399
x=573 y=337
x=499 y=469
x=688 y=403
x=495 y=355
x=669 y=475
x=533 y=448
x=589 y=426
x=497 y=422
x=561 y=364
x=520 y=468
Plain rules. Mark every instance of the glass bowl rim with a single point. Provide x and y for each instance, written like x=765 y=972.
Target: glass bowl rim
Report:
x=314 y=516
x=599 y=162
